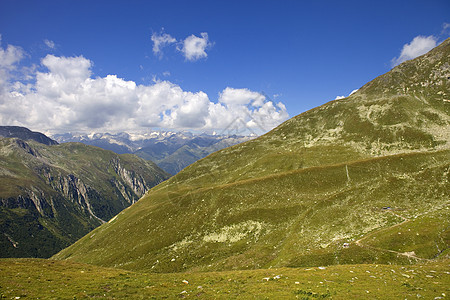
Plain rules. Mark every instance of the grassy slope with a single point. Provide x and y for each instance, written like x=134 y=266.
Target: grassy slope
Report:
x=45 y=279
x=294 y=196
x=303 y=222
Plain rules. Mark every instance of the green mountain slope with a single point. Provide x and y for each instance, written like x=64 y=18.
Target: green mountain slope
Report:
x=359 y=180
x=50 y=196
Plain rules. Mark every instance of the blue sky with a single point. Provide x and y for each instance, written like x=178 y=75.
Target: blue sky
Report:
x=264 y=61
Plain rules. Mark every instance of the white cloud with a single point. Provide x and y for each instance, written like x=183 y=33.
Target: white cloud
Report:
x=343 y=97
x=243 y=107
x=9 y=59
x=66 y=97
x=68 y=68
x=194 y=47
x=10 y=56
x=418 y=46
x=160 y=41
x=231 y=96
x=49 y=44
x=190 y=113
x=352 y=92
x=268 y=115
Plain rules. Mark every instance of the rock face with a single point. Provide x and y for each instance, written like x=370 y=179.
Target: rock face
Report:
x=131 y=179
x=311 y=192
x=52 y=195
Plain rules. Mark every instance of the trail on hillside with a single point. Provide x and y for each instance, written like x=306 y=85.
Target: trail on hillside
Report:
x=407 y=254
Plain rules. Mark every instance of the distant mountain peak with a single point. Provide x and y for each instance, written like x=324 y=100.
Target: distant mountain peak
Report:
x=26 y=134
x=171 y=150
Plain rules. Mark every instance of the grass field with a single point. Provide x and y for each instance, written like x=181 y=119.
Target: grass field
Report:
x=49 y=279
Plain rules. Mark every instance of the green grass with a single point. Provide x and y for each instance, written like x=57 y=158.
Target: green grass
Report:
x=47 y=279
x=304 y=221
x=426 y=236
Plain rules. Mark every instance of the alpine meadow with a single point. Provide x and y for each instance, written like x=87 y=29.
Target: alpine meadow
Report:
x=139 y=188
x=354 y=194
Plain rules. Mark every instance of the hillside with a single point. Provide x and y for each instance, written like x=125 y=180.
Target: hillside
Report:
x=364 y=179
x=50 y=196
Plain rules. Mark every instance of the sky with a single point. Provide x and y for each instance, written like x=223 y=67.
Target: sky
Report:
x=204 y=66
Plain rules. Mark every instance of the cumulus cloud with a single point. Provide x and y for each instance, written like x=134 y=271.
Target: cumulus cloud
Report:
x=10 y=56
x=65 y=96
x=243 y=106
x=259 y=117
x=418 y=46
x=9 y=59
x=160 y=41
x=231 y=96
x=343 y=97
x=194 y=47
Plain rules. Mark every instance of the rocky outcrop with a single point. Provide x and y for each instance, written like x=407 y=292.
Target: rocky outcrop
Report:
x=135 y=181
x=24 y=145
x=128 y=185
x=29 y=200
x=72 y=189
x=52 y=195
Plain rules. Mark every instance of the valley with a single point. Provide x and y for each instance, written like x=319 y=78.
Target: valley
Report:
x=348 y=199
x=171 y=151
x=51 y=195
x=296 y=195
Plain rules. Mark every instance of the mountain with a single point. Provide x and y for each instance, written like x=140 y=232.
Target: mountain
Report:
x=26 y=134
x=50 y=196
x=365 y=179
x=172 y=151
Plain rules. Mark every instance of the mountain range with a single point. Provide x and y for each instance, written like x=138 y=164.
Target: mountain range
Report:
x=25 y=134
x=365 y=179
x=171 y=151
x=52 y=194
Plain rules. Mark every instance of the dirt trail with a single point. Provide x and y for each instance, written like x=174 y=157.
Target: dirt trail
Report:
x=407 y=254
